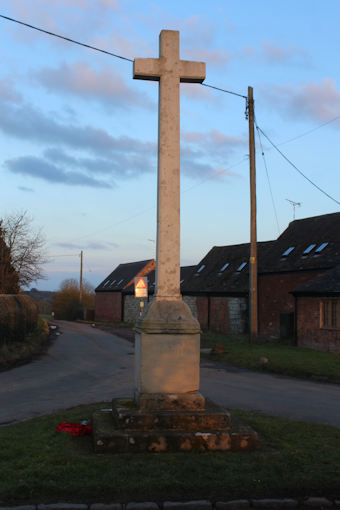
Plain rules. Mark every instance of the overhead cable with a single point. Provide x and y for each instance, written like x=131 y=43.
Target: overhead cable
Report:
x=269 y=184
x=98 y=49
x=296 y=168
x=65 y=38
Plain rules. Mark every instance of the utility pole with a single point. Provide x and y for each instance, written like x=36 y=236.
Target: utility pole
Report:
x=253 y=330
x=81 y=279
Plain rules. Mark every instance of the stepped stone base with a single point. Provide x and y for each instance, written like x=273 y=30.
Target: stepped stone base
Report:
x=128 y=429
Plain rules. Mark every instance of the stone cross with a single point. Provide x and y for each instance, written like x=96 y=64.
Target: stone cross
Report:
x=169 y=70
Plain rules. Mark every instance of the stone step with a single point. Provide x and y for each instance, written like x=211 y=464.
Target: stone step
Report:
x=109 y=439
x=127 y=416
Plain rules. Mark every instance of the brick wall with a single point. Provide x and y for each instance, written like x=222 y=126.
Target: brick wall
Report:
x=220 y=314
x=202 y=305
x=309 y=333
x=108 y=306
x=274 y=298
x=228 y=315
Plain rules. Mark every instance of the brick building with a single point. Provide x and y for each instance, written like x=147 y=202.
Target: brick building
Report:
x=317 y=308
x=293 y=272
x=109 y=301
x=132 y=305
x=303 y=257
x=219 y=287
x=298 y=286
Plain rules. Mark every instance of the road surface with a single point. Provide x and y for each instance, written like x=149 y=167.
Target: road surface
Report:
x=86 y=365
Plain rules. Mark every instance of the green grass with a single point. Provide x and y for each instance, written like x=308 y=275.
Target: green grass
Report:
x=295 y=459
x=282 y=358
x=13 y=353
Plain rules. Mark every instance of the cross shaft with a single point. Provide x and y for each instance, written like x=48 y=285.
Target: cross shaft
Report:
x=169 y=70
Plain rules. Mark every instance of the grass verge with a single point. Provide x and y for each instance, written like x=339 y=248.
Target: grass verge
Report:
x=275 y=357
x=295 y=459
x=15 y=353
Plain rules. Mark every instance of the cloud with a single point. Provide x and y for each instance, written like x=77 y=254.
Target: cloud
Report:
x=28 y=123
x=274 y=54
x=73 y=154
x=278 y=54
x=197 y=91
x=8 y=92
x=317 y=101
x=23 y=188
x=212 y=58
x=34 y=166
x=101 y=86
x=205 y=155
x=88 y=246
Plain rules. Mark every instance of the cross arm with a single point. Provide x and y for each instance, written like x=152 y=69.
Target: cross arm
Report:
x=192 y=72
x=146 y=69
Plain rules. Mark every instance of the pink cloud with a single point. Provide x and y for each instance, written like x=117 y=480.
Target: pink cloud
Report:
x=104 y=86
x=319 y=101
x=211 y=57
x=196 y=91
x=278 y=54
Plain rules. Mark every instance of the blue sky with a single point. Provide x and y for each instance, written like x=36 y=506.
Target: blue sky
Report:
x=78 y=135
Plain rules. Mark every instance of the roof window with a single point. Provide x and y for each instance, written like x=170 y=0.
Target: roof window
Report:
x=112 y=283
x=288 y=251
x=320 y=248
x=224 y=267
x=239 y=269
x=120 y=281
x=309 y=249
x=200 y=269
x=106 y=283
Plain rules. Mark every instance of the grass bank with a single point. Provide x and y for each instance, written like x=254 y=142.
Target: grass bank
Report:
x=295 y=459
x=14 y=353
x=275 y=357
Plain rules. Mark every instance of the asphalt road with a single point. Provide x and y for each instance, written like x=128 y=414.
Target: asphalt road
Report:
x=86 y=365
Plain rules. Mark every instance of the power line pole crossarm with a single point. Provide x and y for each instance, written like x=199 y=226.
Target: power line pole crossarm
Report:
x=253 y=308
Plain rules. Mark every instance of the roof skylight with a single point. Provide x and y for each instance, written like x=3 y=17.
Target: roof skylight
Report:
x=120 y=281
x=321 y=247
x=239 y=269
x=200 y=269
x=309 y=249
x=106 y=283
x=224 y=267
x=288 y=251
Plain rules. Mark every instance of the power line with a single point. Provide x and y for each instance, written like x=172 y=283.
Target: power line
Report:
x=65 y=38
x=296 y=168
x=224 y=90
x=269 y=184
x=310 y=131
x=99 y=49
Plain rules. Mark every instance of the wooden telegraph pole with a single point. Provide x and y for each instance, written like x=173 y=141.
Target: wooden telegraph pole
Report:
x=253 y=330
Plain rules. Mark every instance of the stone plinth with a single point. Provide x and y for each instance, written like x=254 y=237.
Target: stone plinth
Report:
x=167 y=357
x=128 y=429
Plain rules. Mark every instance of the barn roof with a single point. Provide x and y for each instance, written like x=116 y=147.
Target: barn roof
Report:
x=123 y=276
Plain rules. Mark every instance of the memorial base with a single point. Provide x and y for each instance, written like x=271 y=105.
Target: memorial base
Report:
x=130 y=429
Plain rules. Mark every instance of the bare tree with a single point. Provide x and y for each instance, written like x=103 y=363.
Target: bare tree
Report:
x=26 y=247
